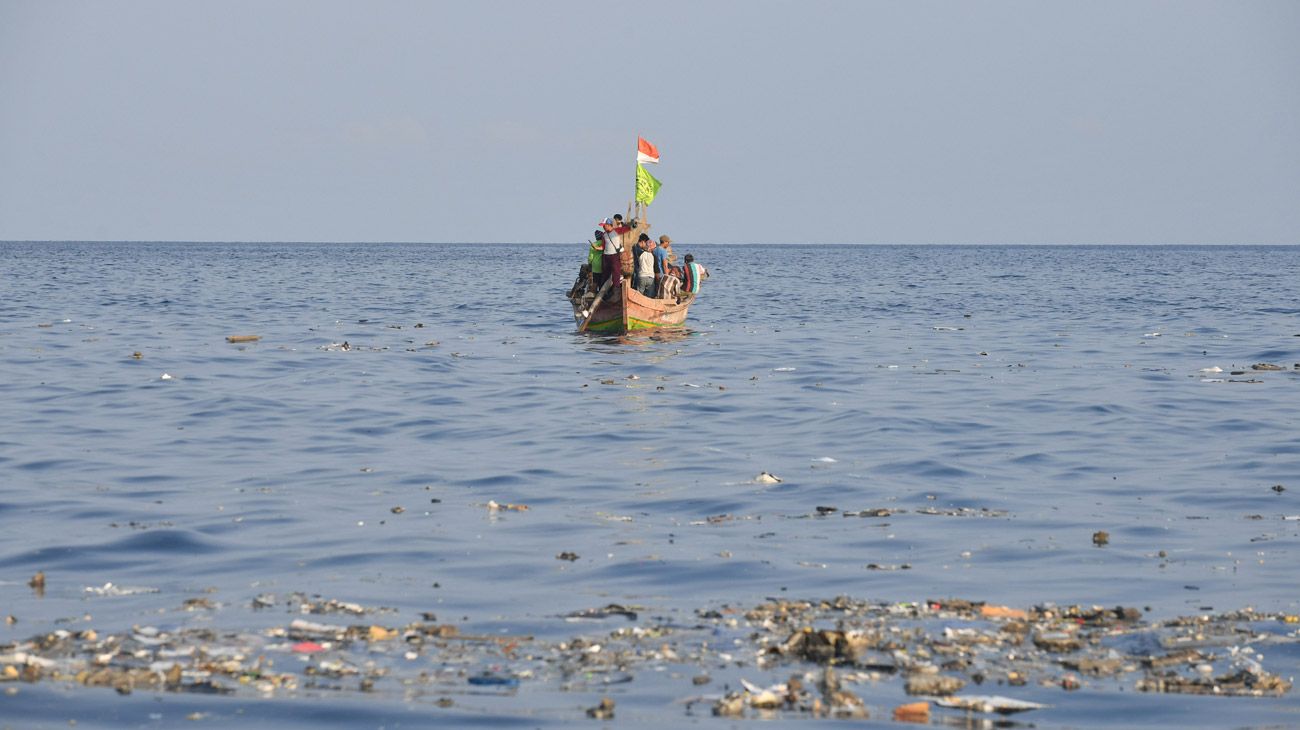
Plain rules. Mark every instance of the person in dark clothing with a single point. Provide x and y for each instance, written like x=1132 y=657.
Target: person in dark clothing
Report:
x=595 y=258
x=692 y=275
x=644 y=277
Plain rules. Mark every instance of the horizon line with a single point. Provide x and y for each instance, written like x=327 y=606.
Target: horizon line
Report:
x=574 y=243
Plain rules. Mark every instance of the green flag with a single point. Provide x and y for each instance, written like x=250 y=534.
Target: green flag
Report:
x=646 y=186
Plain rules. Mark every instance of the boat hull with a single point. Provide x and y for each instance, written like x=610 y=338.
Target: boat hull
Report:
x=633 y=311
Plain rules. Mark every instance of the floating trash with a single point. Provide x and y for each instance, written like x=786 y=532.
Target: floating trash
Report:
x=918 y=712
x=493 y=680
x=961 y=512
x=876 y=512
x=989 y=703
x=108 y=589
x=1003 y=612
x=934 y=648
x=603 y=711
x=933 y=684
x=493 y=506
x=1242 y=683
x=612 y=609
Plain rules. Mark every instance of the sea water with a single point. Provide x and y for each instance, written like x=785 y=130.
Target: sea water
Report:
x=1030 y=396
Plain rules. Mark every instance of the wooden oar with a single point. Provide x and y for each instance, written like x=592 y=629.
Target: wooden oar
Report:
x=594 y=303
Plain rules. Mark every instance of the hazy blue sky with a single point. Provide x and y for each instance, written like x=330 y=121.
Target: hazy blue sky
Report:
x=799 y=121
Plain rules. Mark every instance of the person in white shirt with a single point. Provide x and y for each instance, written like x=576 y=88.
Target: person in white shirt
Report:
x=613 y=260
x=644 y=281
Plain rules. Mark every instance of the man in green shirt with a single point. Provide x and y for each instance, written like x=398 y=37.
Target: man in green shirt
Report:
x=594 y=257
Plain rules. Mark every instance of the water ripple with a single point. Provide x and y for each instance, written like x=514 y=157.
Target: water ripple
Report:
x=1068 y=386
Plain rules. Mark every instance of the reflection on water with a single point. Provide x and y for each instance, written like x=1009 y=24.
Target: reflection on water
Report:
x=662 y=335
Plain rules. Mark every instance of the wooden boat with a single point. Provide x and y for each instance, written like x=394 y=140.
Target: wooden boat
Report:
x=626 y=310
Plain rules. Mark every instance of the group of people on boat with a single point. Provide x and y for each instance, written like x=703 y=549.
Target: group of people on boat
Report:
x=655 y=271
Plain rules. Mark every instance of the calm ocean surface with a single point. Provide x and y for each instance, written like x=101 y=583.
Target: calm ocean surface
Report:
x=1060 y=388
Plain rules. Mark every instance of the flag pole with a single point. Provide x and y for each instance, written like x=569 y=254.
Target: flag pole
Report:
x=638 y=151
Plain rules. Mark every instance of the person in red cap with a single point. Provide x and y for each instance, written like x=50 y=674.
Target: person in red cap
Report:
x=612 y=263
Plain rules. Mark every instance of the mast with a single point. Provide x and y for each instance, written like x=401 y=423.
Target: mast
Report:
x=627 y=259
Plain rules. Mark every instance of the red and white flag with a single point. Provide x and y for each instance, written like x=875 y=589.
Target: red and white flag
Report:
x=646 y=152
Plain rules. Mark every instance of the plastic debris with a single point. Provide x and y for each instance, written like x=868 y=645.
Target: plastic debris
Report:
x=989 y=703
x=493 y=506
x=108 y=589
x=932 y=647
x=876 y=512
x=612 y=609
x=933 y=684
x=1003 y=612
x=913 y=712
x=493 y=680
x=602 y=711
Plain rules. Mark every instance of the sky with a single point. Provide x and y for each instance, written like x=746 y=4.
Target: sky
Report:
x=808 y=121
